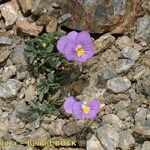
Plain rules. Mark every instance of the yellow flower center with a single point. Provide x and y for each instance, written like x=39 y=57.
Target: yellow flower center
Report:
x=80 y=51
x=85 y=108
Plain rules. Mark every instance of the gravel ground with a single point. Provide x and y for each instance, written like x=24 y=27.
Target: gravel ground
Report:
x=118 y=75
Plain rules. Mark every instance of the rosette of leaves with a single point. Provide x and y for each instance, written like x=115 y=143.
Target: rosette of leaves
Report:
x=41 y=54
x=38 y=110
x=52 y=82
x=43 y=58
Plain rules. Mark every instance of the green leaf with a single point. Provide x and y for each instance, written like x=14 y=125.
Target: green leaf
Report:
x=51 y=77
x=43 y=58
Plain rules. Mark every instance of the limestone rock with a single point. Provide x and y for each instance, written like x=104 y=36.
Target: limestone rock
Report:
x=30 y=93
x=123 y=41
x=3 y=126
x=56 y=127
x=126 y=140
x=9 y=72
x=143 y=28
x=94 y=144
x=5 y=40
x=146 y=145
x=26 y=5
x=118 y=85
x=4 y=55
x=124 y=65
x=9 y=13
x=29 y=28
x=9 y=88
x=113 y=120
x=131 y=53
x=18 y=55
x=52 y=26
x=108 y=136
x=103 y=42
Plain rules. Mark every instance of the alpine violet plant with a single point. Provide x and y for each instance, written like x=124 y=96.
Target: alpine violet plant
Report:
x=87 y=110
x=76 y=46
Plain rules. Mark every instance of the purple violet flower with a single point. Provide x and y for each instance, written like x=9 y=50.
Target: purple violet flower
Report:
x=76 y=46
x=82 y=110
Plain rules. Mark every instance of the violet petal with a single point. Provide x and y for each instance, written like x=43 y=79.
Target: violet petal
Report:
x=62 y=43
x=72 y=36
x=83 y=37
x=77 y=110
x=69 y=51
x=94 y=109
x=89 y=52
x=68 y=104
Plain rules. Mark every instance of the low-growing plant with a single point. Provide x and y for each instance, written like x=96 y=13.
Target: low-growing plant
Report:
x=41 y=54
x=43 y=58
x=38 y=110
x=51 y=83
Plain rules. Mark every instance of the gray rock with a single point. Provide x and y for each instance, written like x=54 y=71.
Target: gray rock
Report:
x=91 y=91
x=72 y=128
x=14 y=118
x=5 y=40
x=146 y=88
x=146 y=5
x=63 y=18
x=124 y=65
x=9 y=88
x=22 y=75
x=108 y=136
x=103 y=42
x=127 y=125
x=4 y=55
x=122 y=105
x=33 y=125
x=39 y=135
x=56 y=127
x=129 y=118
x=123 y=41
x=126 y=140
x=143 y=28
x=18 y=55
x=1 y=112
x=9 y=13
x=143 y=130
x=15 y=146
x=16 y=126
x=141 y=115
x=9 y=72
x=146 y=145
x=113 y=120
x=35 y=7
x=21 y=94
x=22 y=138
x=131 y=53
x=122 y=114
x=103 y=76
x=21 y=107
x=115 y=98
x=93 y=144
x=108 y=73
x=139 y=72
x=4 y=125
x=118 y=85
x=30 y=93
